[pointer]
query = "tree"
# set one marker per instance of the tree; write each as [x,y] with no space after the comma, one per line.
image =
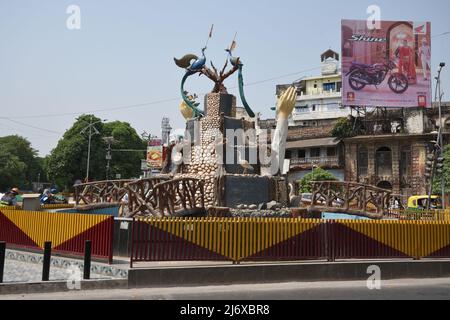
[127,164]
[445,172]
[343,129]
[12,170]
[19,164]
[68,161]
[317,174]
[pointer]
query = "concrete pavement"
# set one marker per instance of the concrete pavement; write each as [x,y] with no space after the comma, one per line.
[410,289]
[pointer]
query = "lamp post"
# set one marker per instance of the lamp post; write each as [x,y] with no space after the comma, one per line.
[439,95]
[92,131]
[109,141]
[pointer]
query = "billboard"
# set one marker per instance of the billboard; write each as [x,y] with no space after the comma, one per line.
[386,67]
[155,153]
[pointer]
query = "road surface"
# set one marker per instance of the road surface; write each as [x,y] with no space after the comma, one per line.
[391,290]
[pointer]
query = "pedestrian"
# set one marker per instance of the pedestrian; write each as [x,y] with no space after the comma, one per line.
[9,198]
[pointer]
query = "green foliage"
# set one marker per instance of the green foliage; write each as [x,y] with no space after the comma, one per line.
[317,174]
[446,173]
[68,161]
[128,164]
[19,164]
[343,129]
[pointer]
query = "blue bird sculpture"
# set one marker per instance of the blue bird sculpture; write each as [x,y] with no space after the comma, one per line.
[237,63]
[198,64]
[194,68]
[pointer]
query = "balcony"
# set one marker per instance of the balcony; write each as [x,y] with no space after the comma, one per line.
[319,94]
[308,163]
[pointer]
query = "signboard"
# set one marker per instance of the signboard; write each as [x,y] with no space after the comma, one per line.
[144,165]
[386,67]
[155,153]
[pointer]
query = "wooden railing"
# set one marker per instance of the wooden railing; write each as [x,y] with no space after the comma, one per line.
[141,200]
[349,197]
[180,197]
[111,191]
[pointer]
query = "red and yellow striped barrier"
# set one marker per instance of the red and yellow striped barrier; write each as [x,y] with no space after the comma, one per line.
[259,239]
[67,232]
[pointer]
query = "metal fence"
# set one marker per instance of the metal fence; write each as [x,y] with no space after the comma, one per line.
[67,232]
[238,240]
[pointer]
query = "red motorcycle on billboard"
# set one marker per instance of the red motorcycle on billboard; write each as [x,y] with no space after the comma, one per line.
[361,75]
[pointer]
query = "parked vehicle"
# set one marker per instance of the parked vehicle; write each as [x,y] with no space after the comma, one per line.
[421,202]
[362,75]
[306,199]
[49,198]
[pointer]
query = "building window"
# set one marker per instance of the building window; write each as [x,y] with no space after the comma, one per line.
[329,86]
[313,107]
[385,185]
[405,161]
[363,161]
[301,154]
[314,153]
[383,162]
[331,152]
[288,154]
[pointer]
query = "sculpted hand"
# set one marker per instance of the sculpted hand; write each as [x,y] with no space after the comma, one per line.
[286,103]
[186,111]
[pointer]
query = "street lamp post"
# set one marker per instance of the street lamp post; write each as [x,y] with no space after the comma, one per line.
[92,131]
[109,141]
[439,96]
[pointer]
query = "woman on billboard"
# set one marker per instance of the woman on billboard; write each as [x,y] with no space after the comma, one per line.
[406,64]
[425,57]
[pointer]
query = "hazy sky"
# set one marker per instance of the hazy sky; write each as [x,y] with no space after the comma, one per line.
[123,54]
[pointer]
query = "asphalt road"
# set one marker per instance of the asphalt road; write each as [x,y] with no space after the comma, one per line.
[424,289]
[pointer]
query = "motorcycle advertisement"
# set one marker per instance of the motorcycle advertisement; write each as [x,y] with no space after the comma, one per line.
[386,67]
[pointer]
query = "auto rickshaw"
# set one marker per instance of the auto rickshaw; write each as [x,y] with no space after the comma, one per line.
[421,202]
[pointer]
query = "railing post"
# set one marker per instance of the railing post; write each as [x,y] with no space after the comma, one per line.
[330,237]
[87,260]
[46,262]
[2,259]
[76,195]
[132,243]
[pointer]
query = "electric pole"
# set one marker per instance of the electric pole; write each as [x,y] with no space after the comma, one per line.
[92,131]
[109,141]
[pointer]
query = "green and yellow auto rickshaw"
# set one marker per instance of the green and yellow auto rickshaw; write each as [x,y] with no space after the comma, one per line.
[421,203]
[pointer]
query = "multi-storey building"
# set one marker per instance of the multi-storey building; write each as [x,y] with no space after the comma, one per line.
[318,108]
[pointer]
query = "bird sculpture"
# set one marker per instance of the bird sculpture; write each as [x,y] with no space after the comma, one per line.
[237,63]
[191,69]
[186,61]
[244,163]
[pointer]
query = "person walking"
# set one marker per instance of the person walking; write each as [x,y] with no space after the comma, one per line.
[9,198]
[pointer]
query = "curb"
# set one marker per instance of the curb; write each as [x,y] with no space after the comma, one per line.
[288,272]
[60,286]
[63,262]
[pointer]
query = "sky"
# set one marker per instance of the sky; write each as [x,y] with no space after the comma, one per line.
[120,63]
